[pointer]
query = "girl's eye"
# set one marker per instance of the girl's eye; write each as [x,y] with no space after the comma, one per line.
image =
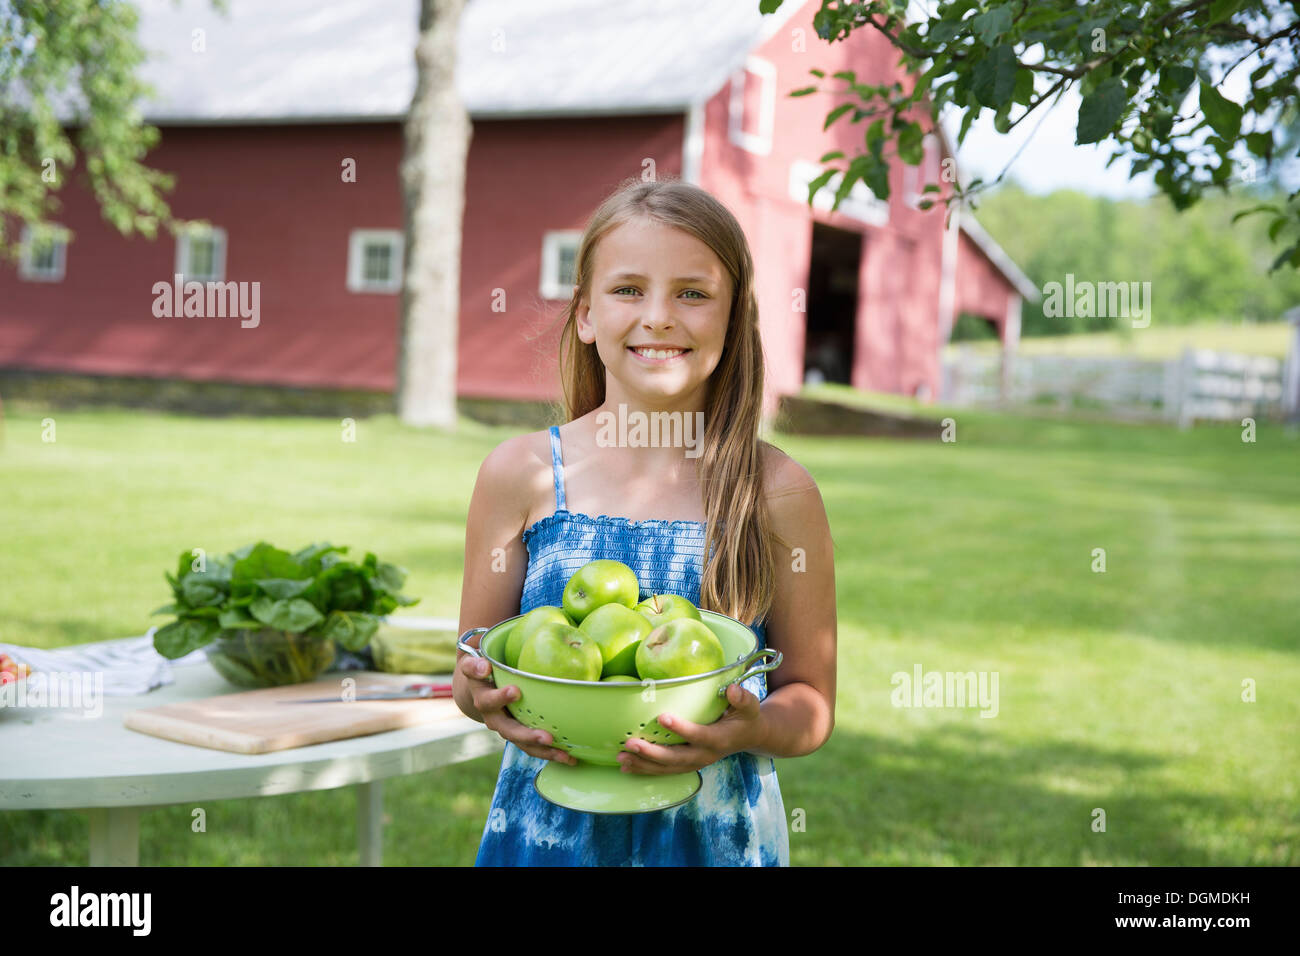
[628,288]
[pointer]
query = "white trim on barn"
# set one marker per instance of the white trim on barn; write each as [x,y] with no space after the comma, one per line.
[759,142]
[358,241]
[948,279]
[693,144]
[184,253]
[552,284]
[30,269]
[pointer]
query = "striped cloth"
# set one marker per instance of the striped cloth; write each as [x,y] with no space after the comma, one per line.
[130,665]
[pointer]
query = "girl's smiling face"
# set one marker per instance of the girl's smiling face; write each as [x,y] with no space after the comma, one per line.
[658,309]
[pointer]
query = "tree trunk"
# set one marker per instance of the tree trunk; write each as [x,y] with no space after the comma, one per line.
[437,134]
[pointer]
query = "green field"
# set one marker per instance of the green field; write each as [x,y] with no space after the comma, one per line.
[1118,690]
[1166,342]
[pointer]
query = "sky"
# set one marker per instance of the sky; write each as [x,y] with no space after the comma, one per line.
[1048,159]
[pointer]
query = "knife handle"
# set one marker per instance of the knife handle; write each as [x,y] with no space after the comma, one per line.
[433,689]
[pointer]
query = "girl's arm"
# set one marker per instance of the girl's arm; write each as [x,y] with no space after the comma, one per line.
[798,714]
[496,562]
[495,557]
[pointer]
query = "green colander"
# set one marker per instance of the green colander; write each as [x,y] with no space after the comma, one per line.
[592,720]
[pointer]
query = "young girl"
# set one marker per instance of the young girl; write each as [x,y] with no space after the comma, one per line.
[663,319]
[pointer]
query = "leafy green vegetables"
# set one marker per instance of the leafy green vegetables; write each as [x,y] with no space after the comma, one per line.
[316,592]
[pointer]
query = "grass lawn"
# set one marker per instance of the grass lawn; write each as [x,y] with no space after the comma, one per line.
[1155,343]
[1118,690]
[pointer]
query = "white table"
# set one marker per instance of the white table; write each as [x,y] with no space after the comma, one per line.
[60,758]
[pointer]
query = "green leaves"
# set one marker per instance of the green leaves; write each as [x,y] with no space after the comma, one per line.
[203,588]
[350,629]
[992,24]
[815,185]
[1223,115]
[876,176]
[835,114]
[941,32]
[296,615]
[875,137]
[910,149]
[184,636]
[1261,144]
[1175,79]
[265,561]
[82,55]
[1100,111]
[315,591]
[994,77]
[1134,75]
[237,617]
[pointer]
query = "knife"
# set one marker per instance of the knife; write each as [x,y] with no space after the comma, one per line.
[410,692]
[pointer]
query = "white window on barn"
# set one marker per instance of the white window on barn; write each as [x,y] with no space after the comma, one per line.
[44,253]
[559,263]
[201,254]
[753,105]
[375,260]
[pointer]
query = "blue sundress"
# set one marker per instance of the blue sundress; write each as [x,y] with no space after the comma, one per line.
[736,819]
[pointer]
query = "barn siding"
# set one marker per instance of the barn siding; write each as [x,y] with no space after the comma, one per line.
[981,288]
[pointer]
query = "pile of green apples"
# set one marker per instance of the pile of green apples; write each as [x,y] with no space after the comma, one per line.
[603,632]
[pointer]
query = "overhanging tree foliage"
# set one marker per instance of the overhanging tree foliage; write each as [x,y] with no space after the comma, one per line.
[69,90]
[1150,77]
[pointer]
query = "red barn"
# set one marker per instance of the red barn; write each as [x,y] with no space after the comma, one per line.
[282,125]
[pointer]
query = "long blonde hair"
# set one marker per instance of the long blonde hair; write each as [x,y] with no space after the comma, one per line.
[740,570]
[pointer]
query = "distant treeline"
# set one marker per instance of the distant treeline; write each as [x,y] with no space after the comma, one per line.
[1201,266]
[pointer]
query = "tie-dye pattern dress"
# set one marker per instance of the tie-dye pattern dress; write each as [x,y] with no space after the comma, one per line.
[736,819]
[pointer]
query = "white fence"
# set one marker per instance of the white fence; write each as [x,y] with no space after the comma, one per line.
[1202,384]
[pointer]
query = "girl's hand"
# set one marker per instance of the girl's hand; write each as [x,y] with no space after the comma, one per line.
[491,703]
[737,730]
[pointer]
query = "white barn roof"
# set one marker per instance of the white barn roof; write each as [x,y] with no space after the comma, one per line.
[303,60]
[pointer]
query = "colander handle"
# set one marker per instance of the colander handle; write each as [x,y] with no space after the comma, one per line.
[463,644]
[755,668]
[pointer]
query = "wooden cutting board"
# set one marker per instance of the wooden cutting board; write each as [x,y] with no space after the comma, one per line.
[257,721]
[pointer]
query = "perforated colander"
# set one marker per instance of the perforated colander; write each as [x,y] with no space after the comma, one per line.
[592,720]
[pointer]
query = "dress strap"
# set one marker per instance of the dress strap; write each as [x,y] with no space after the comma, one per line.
[557,467]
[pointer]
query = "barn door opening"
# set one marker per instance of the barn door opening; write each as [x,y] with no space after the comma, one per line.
[832,304]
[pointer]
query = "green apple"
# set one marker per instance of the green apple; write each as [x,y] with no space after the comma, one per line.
[597,583]
[662,608]
[678,649]
[561,650]
[619,679]
[618,630]
[527,626]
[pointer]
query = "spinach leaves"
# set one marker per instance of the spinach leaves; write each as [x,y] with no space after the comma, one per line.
[316,591]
